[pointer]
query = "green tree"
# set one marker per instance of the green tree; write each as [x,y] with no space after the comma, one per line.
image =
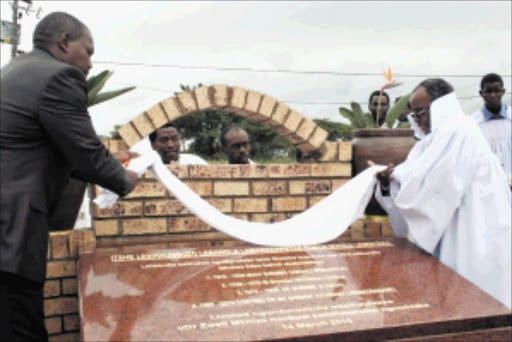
[201,133]
[114,134]
[201,130]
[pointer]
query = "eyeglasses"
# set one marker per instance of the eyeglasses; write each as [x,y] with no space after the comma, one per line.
[419,114]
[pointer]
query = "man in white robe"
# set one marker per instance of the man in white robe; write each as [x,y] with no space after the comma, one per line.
[494,119]
[450,196]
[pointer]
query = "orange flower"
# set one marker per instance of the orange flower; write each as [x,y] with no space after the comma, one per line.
[388,74]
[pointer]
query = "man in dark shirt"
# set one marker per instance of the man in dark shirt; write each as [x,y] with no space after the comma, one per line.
[235,143]
[378,112]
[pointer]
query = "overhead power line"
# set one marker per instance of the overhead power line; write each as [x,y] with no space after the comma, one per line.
[288,101]
[363,103]
[287,71]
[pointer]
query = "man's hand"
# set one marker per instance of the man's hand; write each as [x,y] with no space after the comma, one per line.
[384,177]
[124,156]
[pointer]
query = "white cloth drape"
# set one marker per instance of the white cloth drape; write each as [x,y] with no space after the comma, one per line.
[323,222]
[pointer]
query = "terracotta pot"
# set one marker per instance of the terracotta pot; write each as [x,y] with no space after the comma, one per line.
[64,216]
[382,146]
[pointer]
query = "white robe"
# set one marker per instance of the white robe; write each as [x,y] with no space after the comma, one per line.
[498,134]
[450,197]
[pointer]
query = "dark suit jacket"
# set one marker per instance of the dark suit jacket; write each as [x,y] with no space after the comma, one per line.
[45,132]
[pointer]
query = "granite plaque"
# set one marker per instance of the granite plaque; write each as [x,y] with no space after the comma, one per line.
[344,290]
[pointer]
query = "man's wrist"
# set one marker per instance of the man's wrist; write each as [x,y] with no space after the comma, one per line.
[129,183]
[384,189]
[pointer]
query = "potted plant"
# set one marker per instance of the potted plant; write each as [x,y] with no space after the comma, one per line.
[380,145]
[66,211]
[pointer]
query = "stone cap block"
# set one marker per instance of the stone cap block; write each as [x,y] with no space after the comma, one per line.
[202,97]
[143,124]
[188,102]
[220,95]
[171,108]
[157,115]
[129,134]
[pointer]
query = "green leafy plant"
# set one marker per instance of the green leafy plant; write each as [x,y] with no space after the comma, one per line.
[356,116]
[397,109]
[335,130]
[359,119]
[96,83]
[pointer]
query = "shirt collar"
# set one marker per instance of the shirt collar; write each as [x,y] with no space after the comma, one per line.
[490,116]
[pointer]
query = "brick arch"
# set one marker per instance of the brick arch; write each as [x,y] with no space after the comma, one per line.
[299,130]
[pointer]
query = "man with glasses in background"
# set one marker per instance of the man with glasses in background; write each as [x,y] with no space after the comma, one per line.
[450,196]
[494,120]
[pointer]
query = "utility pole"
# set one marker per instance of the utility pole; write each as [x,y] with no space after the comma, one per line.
[16,16]
[14,46]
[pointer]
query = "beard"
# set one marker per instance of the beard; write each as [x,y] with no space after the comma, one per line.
[241,159]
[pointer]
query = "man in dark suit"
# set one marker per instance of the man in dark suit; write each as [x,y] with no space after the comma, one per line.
[46,135]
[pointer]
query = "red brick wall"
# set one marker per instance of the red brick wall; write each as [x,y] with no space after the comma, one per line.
[61,286]
[252,192]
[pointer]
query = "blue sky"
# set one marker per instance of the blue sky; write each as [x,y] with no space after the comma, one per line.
[420,38]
